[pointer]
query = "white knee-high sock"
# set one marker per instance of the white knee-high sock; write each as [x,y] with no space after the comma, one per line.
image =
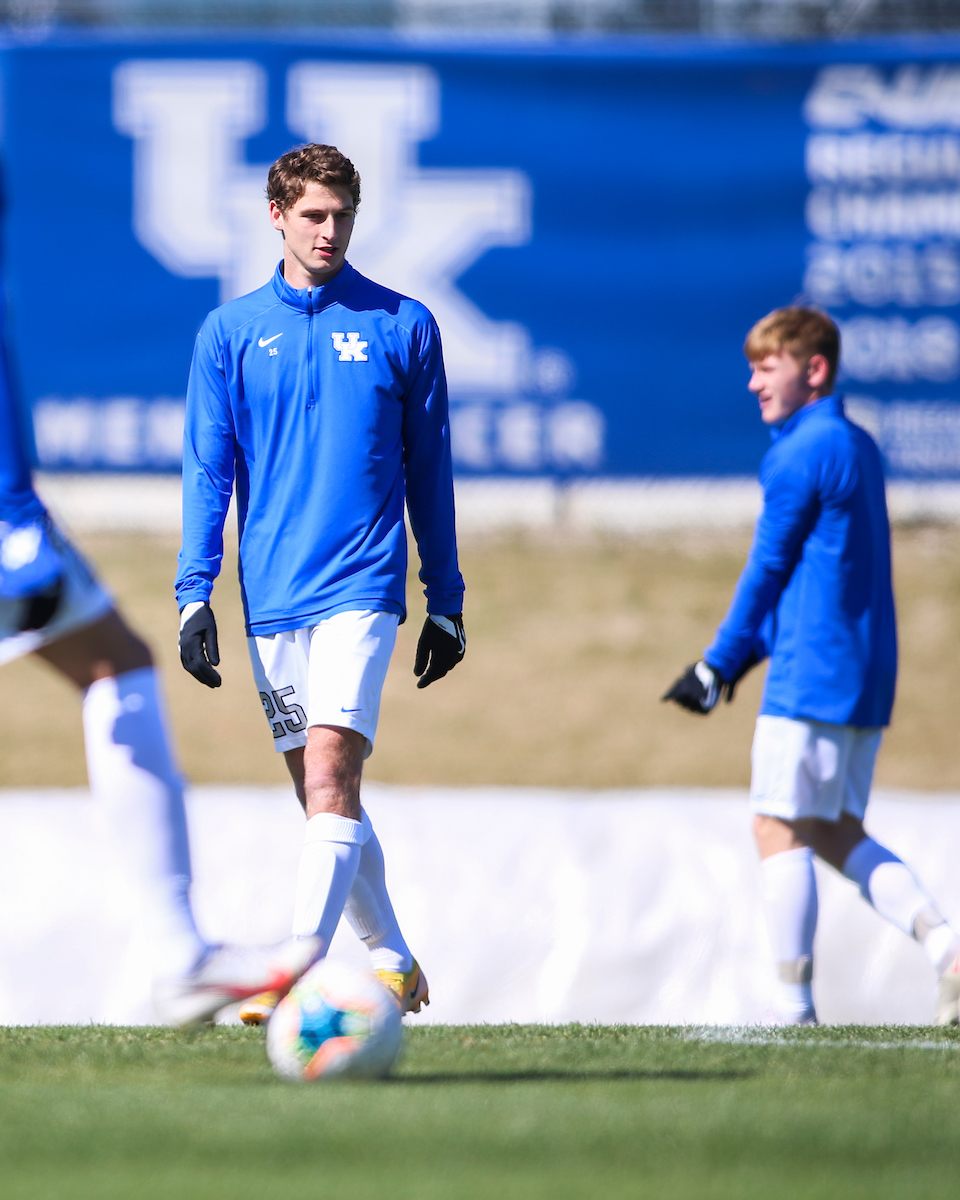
[790,900]
[888,884]
[370,912]
[138,787]
[328,867]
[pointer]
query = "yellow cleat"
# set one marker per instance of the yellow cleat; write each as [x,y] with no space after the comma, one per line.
[409,987]
[259,1009]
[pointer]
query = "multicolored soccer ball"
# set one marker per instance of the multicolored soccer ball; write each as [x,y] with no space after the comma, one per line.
[335,1023]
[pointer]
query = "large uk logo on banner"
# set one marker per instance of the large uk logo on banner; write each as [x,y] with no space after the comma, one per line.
[593,228]
[199,209]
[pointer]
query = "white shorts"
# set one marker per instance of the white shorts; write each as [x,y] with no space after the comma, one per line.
[330,673]
[84,600]
[811,769]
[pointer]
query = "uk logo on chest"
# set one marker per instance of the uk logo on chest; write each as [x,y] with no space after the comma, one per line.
[350,347]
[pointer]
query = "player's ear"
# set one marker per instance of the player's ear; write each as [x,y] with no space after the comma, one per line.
[818,371]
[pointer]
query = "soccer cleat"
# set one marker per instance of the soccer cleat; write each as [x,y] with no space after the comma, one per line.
[259,1009]
[409,987]
[948,994]
[225,974]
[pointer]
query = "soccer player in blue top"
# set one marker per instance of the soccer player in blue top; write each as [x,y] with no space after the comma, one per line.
[816,598]
[52,605]
[321,397]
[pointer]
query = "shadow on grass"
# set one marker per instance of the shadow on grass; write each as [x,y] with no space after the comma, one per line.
[572,1076]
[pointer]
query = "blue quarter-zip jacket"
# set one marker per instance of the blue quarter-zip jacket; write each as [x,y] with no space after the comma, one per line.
[816,593]
[328,406]
[19,503]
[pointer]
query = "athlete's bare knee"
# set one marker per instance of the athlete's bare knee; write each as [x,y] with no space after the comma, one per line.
[774,835]
[332,766]
[294,760]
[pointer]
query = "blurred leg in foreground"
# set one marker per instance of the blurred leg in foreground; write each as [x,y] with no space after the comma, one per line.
[52,605]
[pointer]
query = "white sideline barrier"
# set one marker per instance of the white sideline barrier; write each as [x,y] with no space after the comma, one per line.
[624,507]
[523,904]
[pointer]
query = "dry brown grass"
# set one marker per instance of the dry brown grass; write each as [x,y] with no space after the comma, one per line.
[570,647]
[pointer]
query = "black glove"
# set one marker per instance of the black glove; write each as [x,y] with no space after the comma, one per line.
[442,644]
[730,685]
[41,608]
[31,572]
[199,651]
[698,688]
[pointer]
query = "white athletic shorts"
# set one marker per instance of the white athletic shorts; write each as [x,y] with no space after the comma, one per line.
[330,673]
[811,769]
[84,600]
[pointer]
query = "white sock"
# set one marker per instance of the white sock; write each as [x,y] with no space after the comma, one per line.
[939,940]
[790,900]
[328,867]
[890,886]
[370,913]
[138,787]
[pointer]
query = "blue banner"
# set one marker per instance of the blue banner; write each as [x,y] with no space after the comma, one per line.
[595,227]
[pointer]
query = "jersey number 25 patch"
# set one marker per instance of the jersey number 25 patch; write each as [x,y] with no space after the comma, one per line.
[276,705]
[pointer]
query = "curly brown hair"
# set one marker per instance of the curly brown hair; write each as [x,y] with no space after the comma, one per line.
[798,331]
[313,163]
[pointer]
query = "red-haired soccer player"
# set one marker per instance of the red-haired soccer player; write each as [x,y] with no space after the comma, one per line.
[816,597]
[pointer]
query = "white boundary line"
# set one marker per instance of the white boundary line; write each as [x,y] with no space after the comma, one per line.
[734,1036]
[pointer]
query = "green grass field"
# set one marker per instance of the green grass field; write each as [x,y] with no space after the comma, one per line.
[485,1112]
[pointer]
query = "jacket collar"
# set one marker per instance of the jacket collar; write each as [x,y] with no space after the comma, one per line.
[312,300]
[832,405]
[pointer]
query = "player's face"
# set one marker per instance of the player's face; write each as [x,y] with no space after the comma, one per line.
[782,386]
[316,233]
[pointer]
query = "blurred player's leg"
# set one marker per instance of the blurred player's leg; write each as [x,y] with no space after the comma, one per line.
[134,777]
[51,604]
[790,902]
[888,884]
[138,788]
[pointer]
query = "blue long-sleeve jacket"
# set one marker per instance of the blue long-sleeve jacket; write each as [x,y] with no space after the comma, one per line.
[19,503]
[328,406]
[816,593]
